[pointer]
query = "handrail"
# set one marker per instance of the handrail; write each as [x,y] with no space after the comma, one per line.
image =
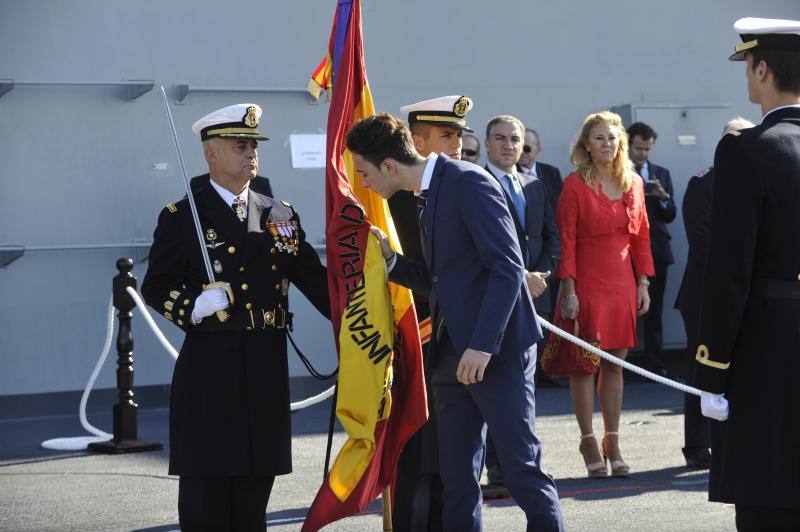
[11,252]
[182,90]
[134,88]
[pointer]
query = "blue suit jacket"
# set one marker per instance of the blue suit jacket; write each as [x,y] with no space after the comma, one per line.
[473,263]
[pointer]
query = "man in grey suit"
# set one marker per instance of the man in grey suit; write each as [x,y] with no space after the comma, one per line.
[534,221]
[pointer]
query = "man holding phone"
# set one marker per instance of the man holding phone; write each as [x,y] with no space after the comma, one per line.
[660,211]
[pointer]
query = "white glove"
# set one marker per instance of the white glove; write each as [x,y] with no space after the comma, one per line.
[714,405]
[208,303]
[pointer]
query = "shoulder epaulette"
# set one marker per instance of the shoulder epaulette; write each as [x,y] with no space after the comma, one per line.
[172,208]
[734,132]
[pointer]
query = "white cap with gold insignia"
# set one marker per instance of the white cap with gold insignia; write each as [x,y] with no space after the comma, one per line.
[447,111]
[235,121]
[766,34]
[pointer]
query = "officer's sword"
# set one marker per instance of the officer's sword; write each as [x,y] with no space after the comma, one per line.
[222,315]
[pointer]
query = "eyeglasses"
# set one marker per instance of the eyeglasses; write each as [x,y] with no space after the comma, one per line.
[469,153]
[526,148]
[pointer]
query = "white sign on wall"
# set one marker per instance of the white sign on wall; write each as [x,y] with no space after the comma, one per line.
[308,150]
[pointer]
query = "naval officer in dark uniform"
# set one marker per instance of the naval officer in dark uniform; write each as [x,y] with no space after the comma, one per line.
[230,430]
[748,357]
[435,128]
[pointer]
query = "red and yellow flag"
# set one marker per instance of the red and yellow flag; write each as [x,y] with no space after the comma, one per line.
[381,401]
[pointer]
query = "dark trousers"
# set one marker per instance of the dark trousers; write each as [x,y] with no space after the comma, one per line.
[765,519]
[233,504]
[504,400]
[696,427]
[417,501]
[653,336]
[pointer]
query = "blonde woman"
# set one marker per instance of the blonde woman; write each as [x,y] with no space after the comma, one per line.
[605,262]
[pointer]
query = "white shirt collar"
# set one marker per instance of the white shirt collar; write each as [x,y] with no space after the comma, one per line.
[499,173]
[228,196]
[779,108]
[427,174]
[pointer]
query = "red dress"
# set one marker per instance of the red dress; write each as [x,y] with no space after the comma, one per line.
[604,243]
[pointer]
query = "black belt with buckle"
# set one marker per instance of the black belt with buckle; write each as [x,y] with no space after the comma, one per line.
[258,319]
[776,289]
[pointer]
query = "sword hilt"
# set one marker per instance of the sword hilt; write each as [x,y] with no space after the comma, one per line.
[222,315]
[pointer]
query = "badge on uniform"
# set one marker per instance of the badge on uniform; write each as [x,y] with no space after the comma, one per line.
[285,234]
[211,236]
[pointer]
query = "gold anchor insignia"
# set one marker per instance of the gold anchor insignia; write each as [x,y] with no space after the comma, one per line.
[250,118]
[462,107]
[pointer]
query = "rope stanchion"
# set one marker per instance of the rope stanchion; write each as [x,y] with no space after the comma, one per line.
[618,361]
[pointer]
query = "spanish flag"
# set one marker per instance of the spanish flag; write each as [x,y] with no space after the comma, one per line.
[381,401]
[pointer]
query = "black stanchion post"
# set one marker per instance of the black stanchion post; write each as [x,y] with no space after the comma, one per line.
[126,429]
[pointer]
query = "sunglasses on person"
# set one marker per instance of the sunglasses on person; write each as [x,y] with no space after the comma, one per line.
[469,153]
[527,149]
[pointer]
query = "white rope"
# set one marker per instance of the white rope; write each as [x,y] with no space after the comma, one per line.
[80,443]
[142,308]
[618,361]
[299,405]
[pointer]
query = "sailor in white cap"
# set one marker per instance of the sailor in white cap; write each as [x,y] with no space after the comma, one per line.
[436,126]
[748,357]
[230,431]
[232,122]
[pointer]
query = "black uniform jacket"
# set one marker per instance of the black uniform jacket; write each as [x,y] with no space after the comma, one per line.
[660,215]
[229,412]
[749,332]
[696,211]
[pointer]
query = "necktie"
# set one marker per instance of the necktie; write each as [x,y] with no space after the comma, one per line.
[638,169]
[238,208]
[438,319]
[515,192]
[422,202]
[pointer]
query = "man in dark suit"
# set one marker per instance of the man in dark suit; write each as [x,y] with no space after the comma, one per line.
[230,429]
[696,210]
[484,323]
[661,210]
[547,173]
[418,490]
[537,233]
[258,184]
[748,357]
[551,177]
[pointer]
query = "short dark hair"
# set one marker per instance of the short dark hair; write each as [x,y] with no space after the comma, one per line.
[535,134]
[381,136]
[784,65]
[641,130]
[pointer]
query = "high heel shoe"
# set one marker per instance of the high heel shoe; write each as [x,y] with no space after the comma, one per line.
[588,449]
[618,467]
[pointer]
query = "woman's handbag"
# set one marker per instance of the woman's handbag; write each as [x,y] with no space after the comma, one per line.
[562,358]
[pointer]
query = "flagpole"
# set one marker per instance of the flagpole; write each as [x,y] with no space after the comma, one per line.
[386,503]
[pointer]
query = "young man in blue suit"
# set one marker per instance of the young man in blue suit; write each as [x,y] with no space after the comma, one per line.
[484,325]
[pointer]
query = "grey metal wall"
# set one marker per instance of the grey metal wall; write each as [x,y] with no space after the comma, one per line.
[77,162]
